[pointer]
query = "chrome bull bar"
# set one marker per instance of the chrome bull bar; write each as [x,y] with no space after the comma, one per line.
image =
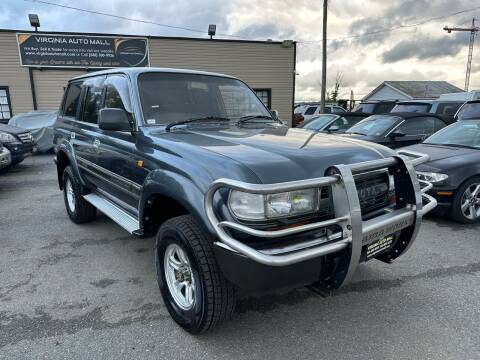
[347,212]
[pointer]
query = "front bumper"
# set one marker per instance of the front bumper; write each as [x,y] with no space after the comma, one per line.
[355,235]
[20,151]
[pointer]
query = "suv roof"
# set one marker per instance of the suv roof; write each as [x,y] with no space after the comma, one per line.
[376,101]
[139,70]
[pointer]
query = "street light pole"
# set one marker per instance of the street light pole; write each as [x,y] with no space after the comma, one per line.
[324,57]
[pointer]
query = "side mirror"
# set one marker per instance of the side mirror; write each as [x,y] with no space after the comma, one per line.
[396,134]
[114,120]
[274,113]
[333,128]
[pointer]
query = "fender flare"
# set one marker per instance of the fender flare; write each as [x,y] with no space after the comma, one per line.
[68,150]
[179,188]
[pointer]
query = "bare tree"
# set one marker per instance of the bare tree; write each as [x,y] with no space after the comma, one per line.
[333,94]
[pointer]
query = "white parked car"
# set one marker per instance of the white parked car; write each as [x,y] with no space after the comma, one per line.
[309,111]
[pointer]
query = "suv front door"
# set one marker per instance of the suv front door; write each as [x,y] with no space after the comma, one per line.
[119,158]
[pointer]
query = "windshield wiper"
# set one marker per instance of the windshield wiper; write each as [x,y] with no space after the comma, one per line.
[203,118]
[247,118]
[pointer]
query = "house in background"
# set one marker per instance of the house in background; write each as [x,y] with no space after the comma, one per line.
[410,90]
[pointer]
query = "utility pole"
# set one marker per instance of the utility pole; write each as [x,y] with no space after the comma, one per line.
[324,57]
[473,31]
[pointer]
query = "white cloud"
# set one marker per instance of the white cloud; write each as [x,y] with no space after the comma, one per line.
[408,54]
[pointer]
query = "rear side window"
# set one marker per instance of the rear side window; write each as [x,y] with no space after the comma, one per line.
[384,107]
[72,99]
[421,126]
[311,110]
[93,100]
[469,111]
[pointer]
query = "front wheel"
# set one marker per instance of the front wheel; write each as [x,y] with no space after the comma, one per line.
[466,203]
[194,290]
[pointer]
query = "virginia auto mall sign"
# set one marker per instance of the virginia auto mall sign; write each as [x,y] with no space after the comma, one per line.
[81,51]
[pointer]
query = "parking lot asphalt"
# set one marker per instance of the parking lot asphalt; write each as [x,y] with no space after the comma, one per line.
[88,292]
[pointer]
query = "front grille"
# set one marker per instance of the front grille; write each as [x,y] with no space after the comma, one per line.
[25,138]
[373,191]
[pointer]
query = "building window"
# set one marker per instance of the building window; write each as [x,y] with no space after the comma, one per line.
[265,95]
[5,105]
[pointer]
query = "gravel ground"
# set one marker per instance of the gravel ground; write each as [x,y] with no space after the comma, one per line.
[88,292]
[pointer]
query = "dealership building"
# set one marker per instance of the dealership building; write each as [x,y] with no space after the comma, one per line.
[35,66]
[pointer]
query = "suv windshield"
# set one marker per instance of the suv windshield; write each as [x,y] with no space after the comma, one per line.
[176,97]
[464,133]
[317,123]
[375,125]
[469,111]
[420,107]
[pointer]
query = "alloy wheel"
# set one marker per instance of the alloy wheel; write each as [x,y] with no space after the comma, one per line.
[179,276]
[470,202]
[70,195]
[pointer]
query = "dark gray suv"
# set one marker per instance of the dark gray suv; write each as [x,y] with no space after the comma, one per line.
[238,202]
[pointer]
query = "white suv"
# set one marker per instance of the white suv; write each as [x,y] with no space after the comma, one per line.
[310,111]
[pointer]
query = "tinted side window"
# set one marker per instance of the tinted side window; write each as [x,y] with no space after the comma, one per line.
[344,123]
[93,100]
[438,124]
[384,107]
[447,108]
[72,99]
[418,126]
[311,110]
[117,93]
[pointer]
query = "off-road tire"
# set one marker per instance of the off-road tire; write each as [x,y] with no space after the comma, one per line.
[215,297]
[83,211]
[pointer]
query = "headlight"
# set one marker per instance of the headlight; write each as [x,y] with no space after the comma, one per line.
[7,138]
[259,207]
[431,176]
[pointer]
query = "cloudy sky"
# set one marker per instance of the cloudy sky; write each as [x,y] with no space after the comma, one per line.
[417,50]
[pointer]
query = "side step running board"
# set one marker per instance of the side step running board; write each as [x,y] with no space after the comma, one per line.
[120,216]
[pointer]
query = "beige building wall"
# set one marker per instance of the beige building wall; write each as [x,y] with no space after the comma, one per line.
[260,65]
[13,75]
[49,86]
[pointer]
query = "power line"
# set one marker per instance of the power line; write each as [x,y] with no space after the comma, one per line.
[125,18]
[420,23]
[345,37]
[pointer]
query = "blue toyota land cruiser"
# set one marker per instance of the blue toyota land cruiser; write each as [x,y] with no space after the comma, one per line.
[238,201]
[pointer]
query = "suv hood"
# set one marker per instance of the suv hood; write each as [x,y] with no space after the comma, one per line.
[12,129]
[440,152]
[445,157]
[280,154]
